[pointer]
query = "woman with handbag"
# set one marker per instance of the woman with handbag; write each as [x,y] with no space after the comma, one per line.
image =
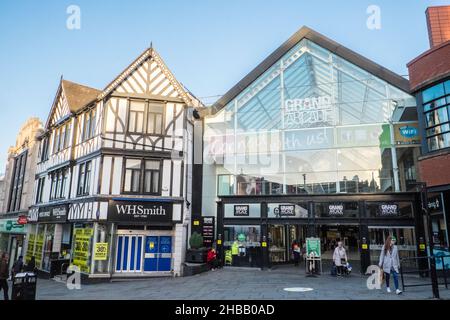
[340,258]
[390,263]
[296,252]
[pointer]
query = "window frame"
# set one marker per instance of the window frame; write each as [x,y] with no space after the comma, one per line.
[142,171]
[58,184]
[17,182]
[146,115]
[84,177]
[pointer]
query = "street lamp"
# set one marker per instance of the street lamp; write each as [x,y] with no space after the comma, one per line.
[424,200]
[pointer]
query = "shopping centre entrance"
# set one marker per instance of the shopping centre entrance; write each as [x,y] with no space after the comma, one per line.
[262,229]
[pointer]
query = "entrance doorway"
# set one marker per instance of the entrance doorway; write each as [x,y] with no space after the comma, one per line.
[330,235]
[281,238]
[129,253]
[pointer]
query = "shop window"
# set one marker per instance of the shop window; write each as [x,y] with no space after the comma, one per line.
[82,246]
[103,240]
[142,176]
[336,210]
[48,246]
[84,178]
[242,246]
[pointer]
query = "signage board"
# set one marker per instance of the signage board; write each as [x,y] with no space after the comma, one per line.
[140,211]
[11,226]
[81,256]
[53,213]
[407,134]
[208,228]
[313,246]
[101,251]
[388,210]
[285,210]
[309,112]
[335,209]
[241,210]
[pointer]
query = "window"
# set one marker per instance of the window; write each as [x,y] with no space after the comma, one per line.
[17,182]
[89,125]
[40,190]
[43,149]
[136,117]
[61,138]
[58,186]
[142,176]
[151,177]
[155,118]
[84,178]
[437,116]
[145,118]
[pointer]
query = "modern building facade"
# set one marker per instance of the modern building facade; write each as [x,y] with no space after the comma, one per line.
[17,189]
[315,141]
[430,83]
[113,181]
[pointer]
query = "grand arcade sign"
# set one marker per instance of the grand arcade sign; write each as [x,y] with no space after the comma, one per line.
[309,111]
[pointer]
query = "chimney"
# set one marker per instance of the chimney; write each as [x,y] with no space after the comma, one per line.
[438,22]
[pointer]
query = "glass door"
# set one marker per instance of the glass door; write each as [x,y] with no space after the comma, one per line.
[277,244]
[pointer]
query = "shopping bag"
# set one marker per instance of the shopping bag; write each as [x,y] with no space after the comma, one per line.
[380,276]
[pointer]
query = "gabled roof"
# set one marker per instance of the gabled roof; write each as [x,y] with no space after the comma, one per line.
[187,97]
[76,95]
[334,47]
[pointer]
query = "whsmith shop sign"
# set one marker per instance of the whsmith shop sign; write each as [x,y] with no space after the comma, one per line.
[53,214]
[140,211]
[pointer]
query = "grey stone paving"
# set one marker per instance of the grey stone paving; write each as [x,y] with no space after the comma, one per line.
[226,284]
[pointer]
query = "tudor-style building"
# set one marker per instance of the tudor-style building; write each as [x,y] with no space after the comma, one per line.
[113,188]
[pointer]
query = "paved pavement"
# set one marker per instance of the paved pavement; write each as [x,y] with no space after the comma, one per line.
[235,284]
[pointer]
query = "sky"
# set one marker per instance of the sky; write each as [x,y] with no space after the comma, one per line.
[209,45]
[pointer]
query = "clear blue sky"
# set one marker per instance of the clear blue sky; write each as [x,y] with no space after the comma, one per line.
[208,44]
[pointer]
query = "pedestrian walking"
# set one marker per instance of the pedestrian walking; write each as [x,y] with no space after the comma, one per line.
[340,258]
[296,251]
[31,266]
[390,263]
[4,262]
[211,259]
[17,267]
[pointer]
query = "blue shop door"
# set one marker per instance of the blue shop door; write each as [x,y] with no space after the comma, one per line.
[129,254]
[151,253]
[165,253]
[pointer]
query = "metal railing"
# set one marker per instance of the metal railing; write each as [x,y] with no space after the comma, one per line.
[427,272]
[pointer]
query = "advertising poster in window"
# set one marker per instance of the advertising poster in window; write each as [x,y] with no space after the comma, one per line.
[38,249]
[30,250]
[82,244]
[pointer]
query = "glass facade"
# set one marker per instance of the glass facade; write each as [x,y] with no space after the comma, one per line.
[436,103]
[313,123]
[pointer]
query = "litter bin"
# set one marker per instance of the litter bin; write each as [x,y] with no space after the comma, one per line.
[24,286]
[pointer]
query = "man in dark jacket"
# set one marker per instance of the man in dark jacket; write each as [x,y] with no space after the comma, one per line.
[17,267]
[4,262]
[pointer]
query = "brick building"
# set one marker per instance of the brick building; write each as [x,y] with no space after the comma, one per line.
[430,82]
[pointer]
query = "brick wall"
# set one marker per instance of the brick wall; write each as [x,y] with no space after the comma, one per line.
[438,22]
[435,169]
[430,66]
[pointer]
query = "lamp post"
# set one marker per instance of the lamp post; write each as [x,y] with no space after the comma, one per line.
[424,200]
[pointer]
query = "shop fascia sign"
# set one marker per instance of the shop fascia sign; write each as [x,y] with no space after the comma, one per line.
[135,210]
[284,210]
[53,214]
[388,209]
[308,111]
[241,210]
[336,209]
[11,226]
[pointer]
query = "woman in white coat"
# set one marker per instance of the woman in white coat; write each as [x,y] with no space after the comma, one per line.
[390,262]
[340,258]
